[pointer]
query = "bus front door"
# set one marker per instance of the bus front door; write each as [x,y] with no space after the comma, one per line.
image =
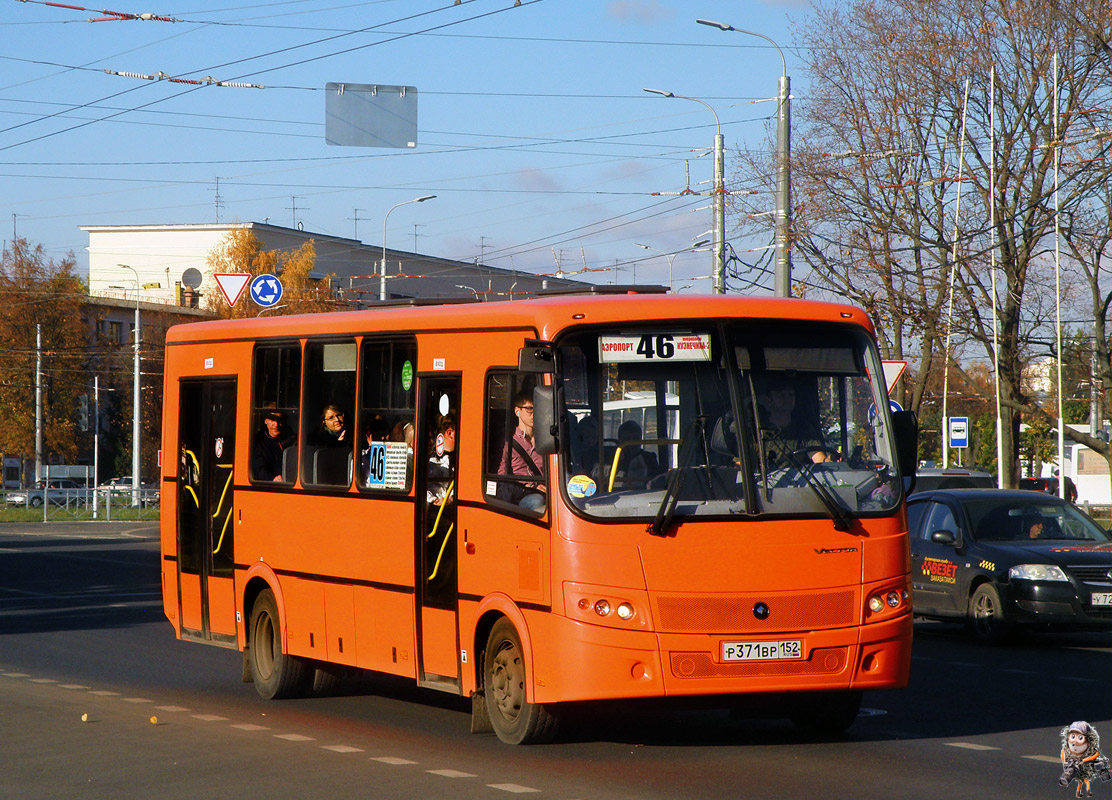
[436,535]
[206,456]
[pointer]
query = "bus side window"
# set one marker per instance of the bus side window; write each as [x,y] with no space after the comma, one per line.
[387,403]
[327,438]
[275,413]
[513,472]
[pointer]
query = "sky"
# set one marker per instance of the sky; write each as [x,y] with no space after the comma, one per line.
[534,131]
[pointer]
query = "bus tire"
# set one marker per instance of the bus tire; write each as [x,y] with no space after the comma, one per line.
[276,674]
[986,616]
[827,712]
[514,719]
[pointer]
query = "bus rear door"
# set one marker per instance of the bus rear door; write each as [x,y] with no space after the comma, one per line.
[206,476]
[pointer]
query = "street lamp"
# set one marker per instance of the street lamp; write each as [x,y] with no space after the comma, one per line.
[783,166]
[382,276]
[719,194]
[672,256]
[135,406]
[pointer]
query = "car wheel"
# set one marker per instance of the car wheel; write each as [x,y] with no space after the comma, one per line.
[514,719]
[986,616]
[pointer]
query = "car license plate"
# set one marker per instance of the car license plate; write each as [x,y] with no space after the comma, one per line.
[1102,598]
[762,651]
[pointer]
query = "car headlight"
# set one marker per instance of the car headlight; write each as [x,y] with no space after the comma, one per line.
[1037,572]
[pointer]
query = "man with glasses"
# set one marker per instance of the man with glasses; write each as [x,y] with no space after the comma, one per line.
[520,457]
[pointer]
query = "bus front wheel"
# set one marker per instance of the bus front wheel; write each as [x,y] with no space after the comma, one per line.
[276,674]
[514,719]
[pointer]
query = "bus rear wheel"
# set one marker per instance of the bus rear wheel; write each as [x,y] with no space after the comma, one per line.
[276,674]
[514,719]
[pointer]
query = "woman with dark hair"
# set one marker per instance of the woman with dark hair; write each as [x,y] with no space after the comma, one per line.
[332,431]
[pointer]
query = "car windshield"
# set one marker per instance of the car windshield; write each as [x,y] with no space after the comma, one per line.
[732,419]
[1030,519]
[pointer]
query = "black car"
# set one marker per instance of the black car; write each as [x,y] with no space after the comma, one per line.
[929,478]
[1003,559]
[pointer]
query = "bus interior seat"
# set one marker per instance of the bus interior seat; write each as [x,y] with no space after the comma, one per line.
[331,466]
[289,464]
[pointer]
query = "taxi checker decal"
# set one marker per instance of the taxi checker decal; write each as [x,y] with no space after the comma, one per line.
[989,565]
[939,570]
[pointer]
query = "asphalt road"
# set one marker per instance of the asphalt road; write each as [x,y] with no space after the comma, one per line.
[97,699]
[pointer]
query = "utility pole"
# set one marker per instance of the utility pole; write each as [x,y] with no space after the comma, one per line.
[38,402]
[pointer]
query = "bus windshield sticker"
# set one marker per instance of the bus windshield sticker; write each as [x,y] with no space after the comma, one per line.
[581,486]
[387,467]
[654,347]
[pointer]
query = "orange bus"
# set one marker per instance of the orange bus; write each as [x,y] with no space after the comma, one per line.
[608,495]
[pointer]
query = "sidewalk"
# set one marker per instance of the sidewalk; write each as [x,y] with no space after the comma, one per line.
[132,529]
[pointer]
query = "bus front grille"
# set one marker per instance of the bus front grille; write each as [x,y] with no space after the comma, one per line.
[823,661]
[735,614]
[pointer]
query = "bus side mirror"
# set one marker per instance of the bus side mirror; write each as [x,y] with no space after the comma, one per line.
[536,357]
[905,425]
[546,427]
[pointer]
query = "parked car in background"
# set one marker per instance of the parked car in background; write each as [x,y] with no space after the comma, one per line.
[59,491]
[930,478]
[1005,559]
[121,488]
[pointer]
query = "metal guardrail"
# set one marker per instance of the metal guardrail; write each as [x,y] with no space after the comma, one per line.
[78,504]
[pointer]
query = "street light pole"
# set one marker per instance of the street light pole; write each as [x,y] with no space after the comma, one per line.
[719,193]
[672,256]
[136,408]
[382,275]
[783,166]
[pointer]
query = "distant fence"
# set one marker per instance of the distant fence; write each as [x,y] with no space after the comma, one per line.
[60,505]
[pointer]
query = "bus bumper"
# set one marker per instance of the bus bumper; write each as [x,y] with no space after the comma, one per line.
[602,663]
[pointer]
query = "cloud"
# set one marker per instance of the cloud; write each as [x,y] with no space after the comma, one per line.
[535,180]
[640,11]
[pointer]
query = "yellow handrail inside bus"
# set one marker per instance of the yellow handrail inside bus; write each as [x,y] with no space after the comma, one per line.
[440,555]
[228,518]
[196,500]
[444,502]
[614,468]
[223,530]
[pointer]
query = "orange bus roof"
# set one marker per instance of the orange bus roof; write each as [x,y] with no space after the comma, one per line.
[548,315]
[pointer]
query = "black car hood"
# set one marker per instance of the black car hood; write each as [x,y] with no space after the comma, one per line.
[1058,552]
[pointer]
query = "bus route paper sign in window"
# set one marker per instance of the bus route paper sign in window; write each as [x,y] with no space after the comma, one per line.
[386,467]
[654,347]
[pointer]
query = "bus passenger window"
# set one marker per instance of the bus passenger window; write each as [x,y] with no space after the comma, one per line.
[386,413]
[329,391]
[275,413]
[514,470]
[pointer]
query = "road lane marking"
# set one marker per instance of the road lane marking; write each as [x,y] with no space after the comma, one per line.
[16,675]
[137,700]
[72,686]
[43,680]
[342,748]
[512,787]
[248,726]
[450,773]
[171,709]
[105,693]
[970,746]
[393,760]
[210,718]
[1048,759]
[294,737]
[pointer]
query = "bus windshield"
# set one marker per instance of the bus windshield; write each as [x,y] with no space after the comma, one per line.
[726,419]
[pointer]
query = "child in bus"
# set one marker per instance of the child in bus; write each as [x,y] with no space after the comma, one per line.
[442,468]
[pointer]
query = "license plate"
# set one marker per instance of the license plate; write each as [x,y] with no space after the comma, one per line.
[762,651]
[1102,598]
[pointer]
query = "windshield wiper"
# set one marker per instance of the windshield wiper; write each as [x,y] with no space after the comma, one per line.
[667,508]
[842,520]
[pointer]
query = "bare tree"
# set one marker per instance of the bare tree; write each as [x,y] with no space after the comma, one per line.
[903,128]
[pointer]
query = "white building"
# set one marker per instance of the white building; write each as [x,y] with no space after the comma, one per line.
[161,255]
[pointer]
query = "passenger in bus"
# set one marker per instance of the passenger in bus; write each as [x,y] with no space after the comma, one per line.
[332,431]
[787,435]
[442,461]
[636,465]
[520,457]
[270,442]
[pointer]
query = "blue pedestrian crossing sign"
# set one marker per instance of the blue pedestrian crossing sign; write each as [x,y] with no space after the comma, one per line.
[266,290]
[959,432]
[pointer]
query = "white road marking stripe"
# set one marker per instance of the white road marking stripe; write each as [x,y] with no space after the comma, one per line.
[341,748]
[43,680]
[393,760]
[970,746]
[210,718]
[137,700]
[1048,759]
[451,773]
[172,709]
[247,726]
[72,686]
[293,737]
[16,675]
[105,693]
[512,787]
